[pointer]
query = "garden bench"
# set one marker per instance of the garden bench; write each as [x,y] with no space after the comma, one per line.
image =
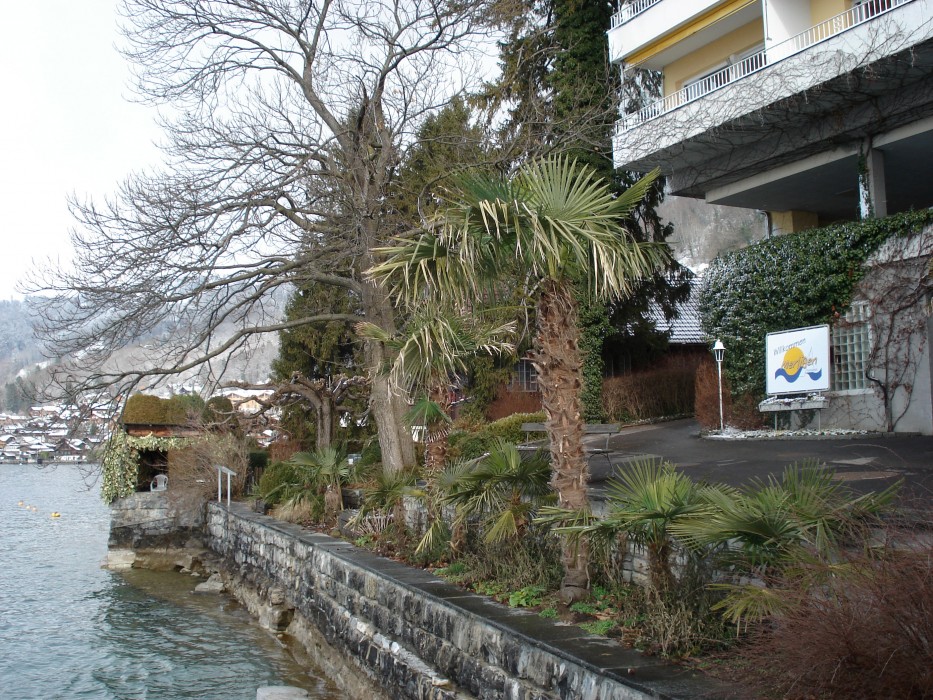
[607,429]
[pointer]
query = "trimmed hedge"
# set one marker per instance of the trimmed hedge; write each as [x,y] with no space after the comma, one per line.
[145,409]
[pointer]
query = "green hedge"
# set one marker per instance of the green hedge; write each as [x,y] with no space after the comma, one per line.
[219,409]
[790,281]
[472,444]
[274,477]
[151,410]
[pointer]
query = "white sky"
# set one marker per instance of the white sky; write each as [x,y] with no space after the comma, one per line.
[66,125]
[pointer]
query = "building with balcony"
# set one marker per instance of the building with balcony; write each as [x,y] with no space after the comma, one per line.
[813,111]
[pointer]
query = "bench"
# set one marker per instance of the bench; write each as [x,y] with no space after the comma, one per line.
[607,429]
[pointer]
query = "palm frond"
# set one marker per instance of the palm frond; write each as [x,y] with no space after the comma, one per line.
[744,604]
[435,537]
[553,220]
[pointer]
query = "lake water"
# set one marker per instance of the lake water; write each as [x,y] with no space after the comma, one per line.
[70,629]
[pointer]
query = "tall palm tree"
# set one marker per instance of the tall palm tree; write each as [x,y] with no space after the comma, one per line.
[556,226]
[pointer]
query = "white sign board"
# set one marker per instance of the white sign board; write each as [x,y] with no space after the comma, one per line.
[797,361]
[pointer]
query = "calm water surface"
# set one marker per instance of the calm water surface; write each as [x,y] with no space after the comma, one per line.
[69,629]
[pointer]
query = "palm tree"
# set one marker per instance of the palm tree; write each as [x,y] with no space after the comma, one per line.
[557,227]
[778,525]
[435,343]
[503,488]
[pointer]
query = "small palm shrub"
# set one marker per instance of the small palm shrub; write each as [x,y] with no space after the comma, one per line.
[309,487]
[502,491]
[771,527]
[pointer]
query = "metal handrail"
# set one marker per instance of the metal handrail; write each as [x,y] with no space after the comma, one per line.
[631,9]
[220,471]
[785,49]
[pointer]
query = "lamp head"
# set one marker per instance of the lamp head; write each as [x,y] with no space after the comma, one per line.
[719,350]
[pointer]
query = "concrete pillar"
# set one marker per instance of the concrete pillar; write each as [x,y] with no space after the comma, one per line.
[873,197]
[782,222]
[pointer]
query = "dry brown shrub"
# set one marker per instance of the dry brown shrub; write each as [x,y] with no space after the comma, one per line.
[744,413]
[706,405]
[509,402]
[192,471]
[665,390]
[282,450]
[864,633]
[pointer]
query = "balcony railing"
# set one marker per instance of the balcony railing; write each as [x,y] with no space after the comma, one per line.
[631,9]
[751,64]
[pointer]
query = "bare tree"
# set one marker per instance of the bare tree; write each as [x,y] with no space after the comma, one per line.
[286,122]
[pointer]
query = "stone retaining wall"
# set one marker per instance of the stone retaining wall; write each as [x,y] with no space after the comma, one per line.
[416,636]
[153,519]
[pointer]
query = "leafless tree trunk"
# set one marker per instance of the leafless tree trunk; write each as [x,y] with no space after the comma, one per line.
[285,122]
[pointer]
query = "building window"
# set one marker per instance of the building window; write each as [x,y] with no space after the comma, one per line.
[524,378]
[851,349]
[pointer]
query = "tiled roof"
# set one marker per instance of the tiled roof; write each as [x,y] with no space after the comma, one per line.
[684,328]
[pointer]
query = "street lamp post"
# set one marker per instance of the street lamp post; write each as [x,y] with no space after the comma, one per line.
[719,350]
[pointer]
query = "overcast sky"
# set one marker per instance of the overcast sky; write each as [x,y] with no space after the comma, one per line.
[66,125]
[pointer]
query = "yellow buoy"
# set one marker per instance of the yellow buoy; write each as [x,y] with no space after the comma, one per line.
[56,514]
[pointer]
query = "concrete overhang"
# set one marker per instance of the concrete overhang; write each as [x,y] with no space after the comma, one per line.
[631,39]
[827,183]
[821,103]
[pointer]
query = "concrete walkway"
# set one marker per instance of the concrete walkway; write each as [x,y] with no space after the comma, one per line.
[865,463]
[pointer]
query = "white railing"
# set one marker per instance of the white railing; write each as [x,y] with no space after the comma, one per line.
[821,32]
[694,91]
[630,9]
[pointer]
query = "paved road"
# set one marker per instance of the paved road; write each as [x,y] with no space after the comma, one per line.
[865,463]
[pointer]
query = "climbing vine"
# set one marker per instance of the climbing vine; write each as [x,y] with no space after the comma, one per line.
[594,328]
[120,461]
[791,281]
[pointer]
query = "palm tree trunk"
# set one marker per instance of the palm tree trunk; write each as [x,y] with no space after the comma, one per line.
[435,441]
[557,361]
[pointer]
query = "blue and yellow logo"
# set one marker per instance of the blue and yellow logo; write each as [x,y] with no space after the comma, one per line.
[795,362]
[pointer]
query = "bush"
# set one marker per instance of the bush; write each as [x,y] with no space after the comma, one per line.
[474,440]
[191,404]
[145,409]
[218,411]
[864,633]
[258,459]
[274,477]
[667,390]
[509,429]
[192,472]
[282,450]
[744,413]
[706,403]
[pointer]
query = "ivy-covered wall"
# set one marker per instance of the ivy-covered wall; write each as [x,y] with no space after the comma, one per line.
[120,461]
[790,281]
